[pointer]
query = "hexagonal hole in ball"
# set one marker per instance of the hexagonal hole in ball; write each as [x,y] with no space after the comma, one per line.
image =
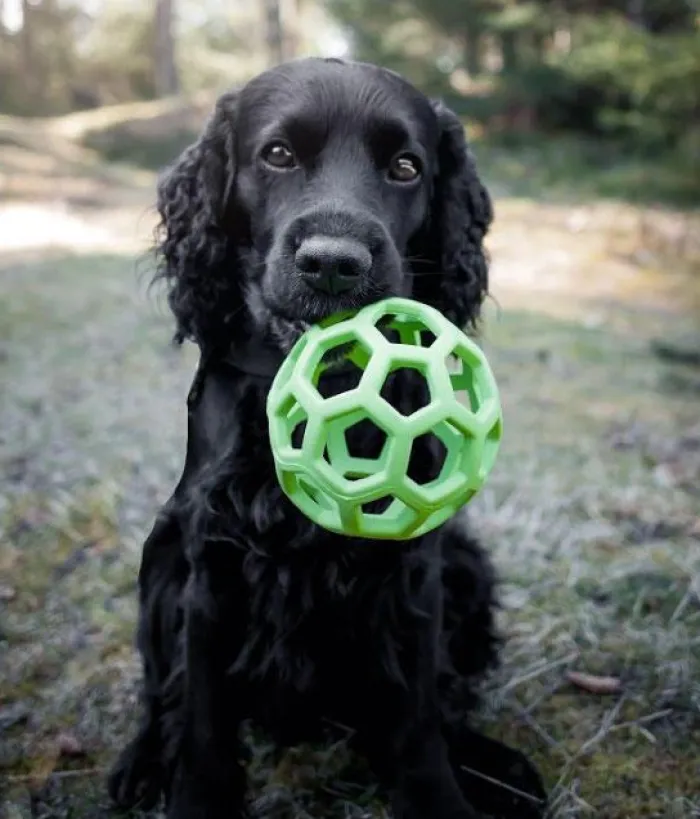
[427,338]
[463,382]
[399,329]
[377,506]
[364,440]
[389,328]
[491,446]
[316,496]
[297,437]
[341,368]
[427,459]
[406,389]
[295,420]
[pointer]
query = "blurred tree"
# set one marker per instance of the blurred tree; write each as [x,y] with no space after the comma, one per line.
[78,54]
[392,34]
[38,63]
[119,68]
[26,41]
[274,33]
[625,69]
[292,10]
[166,79]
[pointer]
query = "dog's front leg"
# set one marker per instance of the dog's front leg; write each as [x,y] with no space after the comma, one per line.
[417,769]
[208,780]
[401,728]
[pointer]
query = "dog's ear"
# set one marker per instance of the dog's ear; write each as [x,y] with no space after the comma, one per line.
[453,273]
[196,252]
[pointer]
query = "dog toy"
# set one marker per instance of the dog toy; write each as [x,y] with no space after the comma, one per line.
[374,497]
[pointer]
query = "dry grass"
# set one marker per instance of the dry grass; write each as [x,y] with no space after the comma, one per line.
[592,515]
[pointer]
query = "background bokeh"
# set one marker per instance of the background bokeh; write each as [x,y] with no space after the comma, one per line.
[584,117]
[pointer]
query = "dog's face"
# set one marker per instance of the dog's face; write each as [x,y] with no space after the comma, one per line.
[334,175]
[321,186]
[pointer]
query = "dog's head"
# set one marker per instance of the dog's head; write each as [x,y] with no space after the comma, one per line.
[320,186]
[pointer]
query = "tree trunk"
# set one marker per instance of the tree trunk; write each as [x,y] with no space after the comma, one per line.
[274,35]
[472,57]
[539,45]
[291,14]
[31,68]
[166,78]
[635,12]
[509,51]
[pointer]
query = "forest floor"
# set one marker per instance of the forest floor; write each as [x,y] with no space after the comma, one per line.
[592,513]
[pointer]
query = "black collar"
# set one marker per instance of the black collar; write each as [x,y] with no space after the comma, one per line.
[256,357]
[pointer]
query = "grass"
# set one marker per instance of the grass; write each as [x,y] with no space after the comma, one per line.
[591,514]
[600,551]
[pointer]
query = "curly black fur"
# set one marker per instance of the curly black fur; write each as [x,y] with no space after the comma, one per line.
[247,609]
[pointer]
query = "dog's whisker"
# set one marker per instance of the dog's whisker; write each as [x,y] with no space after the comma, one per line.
[415,274]
[418,260]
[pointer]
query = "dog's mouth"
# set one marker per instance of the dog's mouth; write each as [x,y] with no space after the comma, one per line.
[286,332]
[285,329]
[286,312]
[288,327]
[314,308]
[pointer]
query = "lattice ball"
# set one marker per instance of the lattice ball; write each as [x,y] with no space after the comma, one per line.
[341,490]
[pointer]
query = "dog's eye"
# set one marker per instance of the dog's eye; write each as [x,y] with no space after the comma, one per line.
[278,155]
[404,168]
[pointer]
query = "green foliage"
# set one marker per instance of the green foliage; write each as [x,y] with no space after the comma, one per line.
[587,66]
[120,68]
[38,66]
[62,59]
[390,34]
[152,152]
[68,56]
[565,167]
[628,82]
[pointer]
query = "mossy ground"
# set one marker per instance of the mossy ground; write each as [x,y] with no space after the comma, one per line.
[592,515]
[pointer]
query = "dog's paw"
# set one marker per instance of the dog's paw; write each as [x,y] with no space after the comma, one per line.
[135,781]
[213,806]
[498,780]
[212,789]
[514,791]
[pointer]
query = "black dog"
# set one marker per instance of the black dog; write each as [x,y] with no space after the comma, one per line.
[321,186]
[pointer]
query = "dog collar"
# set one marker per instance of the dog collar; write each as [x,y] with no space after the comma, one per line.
[255,357]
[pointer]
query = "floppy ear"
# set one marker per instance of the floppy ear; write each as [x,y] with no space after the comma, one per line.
[455,276]
[196,254]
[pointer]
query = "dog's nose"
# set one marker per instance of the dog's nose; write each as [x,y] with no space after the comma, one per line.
[332,265]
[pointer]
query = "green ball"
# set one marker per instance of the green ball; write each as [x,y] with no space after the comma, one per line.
[332,486]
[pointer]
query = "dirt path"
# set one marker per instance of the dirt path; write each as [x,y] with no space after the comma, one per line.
[38,226]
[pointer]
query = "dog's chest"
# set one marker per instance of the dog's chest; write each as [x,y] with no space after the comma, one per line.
[316,618]
[295,609]
[316,605]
